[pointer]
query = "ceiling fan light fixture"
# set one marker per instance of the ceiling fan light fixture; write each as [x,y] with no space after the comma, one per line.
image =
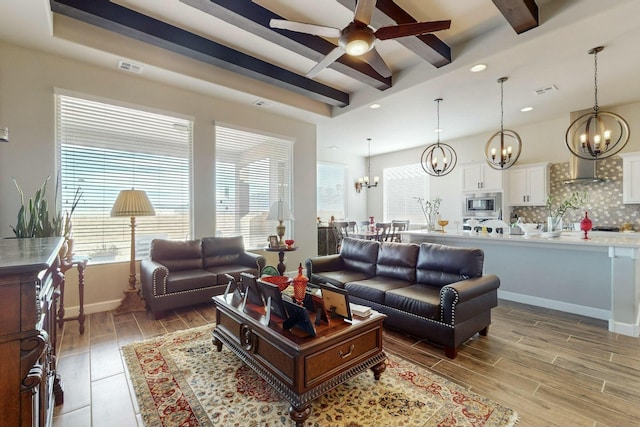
[357,40]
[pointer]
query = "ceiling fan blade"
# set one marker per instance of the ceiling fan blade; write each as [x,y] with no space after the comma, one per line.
[374,59]
[300,27]
[411,29]
[326,61]
[364,11]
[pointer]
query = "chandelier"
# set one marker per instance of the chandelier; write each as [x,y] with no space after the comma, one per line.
[364,182]
[504,147]
[438,159]
[598,134]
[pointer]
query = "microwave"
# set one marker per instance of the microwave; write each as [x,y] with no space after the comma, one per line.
[482,205]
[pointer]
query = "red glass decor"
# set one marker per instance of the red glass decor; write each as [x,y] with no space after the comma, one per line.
[282,282]
[299,285]
[585,225]
[289,243]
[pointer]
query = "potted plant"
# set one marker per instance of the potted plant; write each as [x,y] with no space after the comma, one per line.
[431,210]
[557,210]
[34,218]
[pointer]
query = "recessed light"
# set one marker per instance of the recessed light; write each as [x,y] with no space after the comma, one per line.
[526,109]
[438,130]
[334,147]
[375,106]
[477,68]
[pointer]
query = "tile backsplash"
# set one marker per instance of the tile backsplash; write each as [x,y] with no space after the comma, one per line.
[604,202]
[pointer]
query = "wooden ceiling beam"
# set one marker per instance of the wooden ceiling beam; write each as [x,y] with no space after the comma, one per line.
[428,46]
[249,16]
[522,15]
[113,17]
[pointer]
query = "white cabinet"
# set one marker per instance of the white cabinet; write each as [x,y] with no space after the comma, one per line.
[528,185]
[630,178]
[480,176]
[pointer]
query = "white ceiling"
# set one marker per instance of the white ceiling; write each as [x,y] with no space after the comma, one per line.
[554,53]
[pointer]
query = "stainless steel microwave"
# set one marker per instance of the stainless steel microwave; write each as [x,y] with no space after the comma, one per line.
[482,205]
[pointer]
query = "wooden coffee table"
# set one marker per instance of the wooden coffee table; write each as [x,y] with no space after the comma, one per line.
[301,368]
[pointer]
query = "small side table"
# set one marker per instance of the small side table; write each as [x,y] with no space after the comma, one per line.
[281,250]
[79,262]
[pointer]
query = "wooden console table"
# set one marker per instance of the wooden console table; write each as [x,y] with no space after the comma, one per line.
[29,281]
[301,368]
[79,262]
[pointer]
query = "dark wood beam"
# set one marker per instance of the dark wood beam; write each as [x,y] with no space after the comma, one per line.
[249,16]
[113,17]
[428,46]
[522,15]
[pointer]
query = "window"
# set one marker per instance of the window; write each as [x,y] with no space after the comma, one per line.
[402,185]
[106,148]
[330,193]
[252,172]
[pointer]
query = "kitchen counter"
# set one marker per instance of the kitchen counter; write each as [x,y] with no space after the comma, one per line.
[598,277]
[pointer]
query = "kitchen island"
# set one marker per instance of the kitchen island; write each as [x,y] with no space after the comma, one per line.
[598,278]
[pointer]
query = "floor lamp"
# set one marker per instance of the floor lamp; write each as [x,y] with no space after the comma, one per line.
[132,203]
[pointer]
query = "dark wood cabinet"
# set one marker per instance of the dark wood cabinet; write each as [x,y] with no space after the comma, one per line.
[29,281]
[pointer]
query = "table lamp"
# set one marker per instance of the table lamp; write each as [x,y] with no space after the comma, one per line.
[132,203]
[280,211]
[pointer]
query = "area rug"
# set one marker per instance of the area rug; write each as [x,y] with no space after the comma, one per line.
[181,380]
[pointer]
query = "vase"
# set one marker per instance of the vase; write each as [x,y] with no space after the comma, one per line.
[300,286]
[554,223]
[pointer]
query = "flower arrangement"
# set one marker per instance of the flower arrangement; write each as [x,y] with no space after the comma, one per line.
[430,209]
[557,210]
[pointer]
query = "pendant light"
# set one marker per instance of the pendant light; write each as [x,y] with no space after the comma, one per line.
[364,182]
[598,134]
[438,159]
[504,147]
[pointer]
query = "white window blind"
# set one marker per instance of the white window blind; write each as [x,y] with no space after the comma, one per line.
[402,185]
[106,148]
[252,172]
[331,180]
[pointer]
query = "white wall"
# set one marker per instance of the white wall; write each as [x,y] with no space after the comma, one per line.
[27,82]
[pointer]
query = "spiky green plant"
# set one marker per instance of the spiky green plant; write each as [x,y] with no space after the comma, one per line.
[34,218]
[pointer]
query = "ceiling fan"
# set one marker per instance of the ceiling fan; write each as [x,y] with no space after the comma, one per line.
[358,38]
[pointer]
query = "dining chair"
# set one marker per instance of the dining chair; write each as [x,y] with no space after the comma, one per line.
[396,227]
[363,226]
[351,227]
[340,231]
[383,231]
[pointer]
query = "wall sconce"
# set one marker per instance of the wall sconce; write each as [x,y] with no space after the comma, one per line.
[358,186]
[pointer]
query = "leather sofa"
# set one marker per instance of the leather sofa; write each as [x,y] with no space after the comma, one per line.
[183,273]
[431,291]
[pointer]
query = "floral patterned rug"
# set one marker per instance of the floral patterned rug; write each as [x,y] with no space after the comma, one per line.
[181,380]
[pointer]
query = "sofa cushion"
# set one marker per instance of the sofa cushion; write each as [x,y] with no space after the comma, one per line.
[177,255]
[339,278]
[186,280]
[360,255]
[232,269]
[397,260]
[421,300]
[373,289]
[440,265]
[221,250]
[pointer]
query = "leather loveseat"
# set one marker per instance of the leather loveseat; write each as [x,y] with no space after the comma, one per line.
[431,291]
[183,273]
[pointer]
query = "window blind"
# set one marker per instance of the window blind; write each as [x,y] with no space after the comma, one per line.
[331,200]
[402,186]
[252,172]
[106,148]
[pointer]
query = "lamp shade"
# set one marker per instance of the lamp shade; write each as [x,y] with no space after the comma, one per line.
[132,203]
[280,211]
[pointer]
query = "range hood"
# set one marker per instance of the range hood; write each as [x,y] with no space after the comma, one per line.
[582,171]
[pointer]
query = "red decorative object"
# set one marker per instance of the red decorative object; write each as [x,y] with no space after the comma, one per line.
[282,282]
[372,225]
[300,285]
[289,243]
[585,225]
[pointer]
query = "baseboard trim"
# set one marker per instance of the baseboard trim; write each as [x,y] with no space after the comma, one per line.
[92,308]
[631,329]
[582,310]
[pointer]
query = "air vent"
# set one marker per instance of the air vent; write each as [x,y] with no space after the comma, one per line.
[130,67]
[546,90]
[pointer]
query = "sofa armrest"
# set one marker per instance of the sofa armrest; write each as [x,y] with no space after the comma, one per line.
[464,299]
[153,277]
[252,260]
[324,263]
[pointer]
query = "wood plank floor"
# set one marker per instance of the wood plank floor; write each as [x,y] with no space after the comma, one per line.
[553,368]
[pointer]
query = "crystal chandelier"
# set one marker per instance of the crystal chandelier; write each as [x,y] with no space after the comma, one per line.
[504,147]
[438,159]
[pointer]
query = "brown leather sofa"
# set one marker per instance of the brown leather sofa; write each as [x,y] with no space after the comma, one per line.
[183,273]
[431,291]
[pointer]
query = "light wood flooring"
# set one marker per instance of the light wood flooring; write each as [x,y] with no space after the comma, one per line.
[553,368]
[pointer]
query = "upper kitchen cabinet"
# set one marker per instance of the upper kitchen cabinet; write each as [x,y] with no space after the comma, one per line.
[528,185]
[630,175]
[480,176]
